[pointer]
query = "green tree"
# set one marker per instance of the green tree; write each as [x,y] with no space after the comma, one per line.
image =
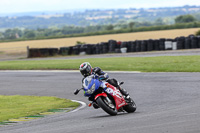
[29,34]
[109,27]
[9,34]
[159,21]
[1,35]
[197,16]
[80,43]
[185,19]
[131,24]
[198,33]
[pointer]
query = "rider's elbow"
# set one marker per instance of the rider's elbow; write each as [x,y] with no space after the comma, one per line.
[106,76]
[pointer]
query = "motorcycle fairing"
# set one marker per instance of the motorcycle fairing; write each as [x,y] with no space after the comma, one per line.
[88,82]
[116,94]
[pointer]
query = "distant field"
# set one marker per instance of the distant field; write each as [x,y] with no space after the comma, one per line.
[20,47]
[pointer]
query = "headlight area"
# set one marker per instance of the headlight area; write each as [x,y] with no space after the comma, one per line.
[91,90]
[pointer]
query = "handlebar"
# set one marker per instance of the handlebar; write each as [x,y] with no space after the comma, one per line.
[77,91]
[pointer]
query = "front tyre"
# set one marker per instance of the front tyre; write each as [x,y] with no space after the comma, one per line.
[131,107]
[106,106]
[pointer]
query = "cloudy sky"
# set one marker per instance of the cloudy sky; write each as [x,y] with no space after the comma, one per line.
[16,6]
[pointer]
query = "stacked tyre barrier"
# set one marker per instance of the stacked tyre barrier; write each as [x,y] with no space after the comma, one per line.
[42,52]
[113,46]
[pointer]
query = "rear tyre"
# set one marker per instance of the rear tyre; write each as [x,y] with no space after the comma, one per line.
[106,106]
[131,107]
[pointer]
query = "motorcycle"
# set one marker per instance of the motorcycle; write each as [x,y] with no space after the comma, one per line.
[106,96]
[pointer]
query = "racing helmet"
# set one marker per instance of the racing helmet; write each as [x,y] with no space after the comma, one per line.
[85,69]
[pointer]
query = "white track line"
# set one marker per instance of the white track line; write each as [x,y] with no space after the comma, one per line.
[83,105]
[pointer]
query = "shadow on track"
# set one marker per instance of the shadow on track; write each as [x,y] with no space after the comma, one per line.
[118,115]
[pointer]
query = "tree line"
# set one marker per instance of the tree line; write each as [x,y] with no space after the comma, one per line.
[16,34]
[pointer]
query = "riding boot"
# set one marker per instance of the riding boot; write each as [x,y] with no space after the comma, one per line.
[125,93]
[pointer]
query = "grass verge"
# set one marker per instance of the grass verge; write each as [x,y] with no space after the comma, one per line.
[144,64]
[21,106]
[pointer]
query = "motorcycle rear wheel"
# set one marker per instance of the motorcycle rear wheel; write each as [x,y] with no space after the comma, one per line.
[103,103]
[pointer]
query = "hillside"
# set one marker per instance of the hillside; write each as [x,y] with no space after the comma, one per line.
[96,17]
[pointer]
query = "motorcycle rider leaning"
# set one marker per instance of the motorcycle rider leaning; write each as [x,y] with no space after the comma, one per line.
[86,70]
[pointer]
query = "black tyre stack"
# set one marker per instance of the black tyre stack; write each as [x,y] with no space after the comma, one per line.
[156,45]
[82,49]
[129,46]
[94,49]
[88,48]
[198,41]
[187,43]
[180,43]
[70,52]
[105,47]
[97,49]
[133,46]
[76,49]
[34,53]
[42,52]
[101,48]
[53,51]
[150,45]
[112,46]
[64,51]
[138,46]
[123,45]
[162,44]
[118,47]
[143,45]
[194,42]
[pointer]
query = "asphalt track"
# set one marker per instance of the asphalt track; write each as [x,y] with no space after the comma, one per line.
[167,103]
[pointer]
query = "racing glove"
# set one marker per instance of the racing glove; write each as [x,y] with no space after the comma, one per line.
[103,77]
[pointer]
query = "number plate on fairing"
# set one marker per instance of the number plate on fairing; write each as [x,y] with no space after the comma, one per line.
[114,92]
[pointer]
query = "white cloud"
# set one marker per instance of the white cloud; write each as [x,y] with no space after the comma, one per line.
[159,3]
[48,5]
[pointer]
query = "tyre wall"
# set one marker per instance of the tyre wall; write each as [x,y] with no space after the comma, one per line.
[113,46]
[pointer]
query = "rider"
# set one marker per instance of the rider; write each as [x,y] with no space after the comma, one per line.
[86,70]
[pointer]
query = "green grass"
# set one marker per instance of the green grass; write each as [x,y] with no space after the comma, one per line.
[21,106]
[144,64]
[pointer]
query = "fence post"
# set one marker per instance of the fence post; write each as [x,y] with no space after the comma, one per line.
[28,55]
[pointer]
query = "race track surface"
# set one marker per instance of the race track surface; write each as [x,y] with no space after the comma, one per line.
[167,103]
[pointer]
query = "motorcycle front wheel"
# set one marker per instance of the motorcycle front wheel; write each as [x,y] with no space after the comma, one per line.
[107,106]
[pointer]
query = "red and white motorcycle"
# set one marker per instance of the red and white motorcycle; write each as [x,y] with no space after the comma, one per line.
[106,96]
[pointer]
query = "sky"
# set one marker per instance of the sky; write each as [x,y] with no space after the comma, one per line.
[17,6]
